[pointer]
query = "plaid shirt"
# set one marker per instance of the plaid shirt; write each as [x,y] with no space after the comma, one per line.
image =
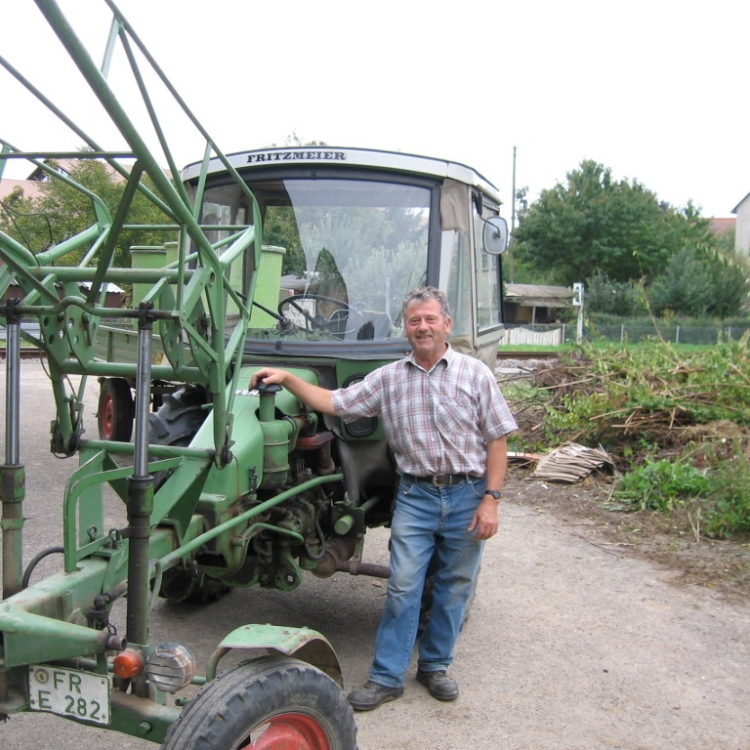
[436,422]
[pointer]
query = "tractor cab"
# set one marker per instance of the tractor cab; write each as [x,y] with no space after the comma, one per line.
[347,233]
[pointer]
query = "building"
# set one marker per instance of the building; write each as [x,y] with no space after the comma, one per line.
[31,186]
[723,226]
[535,303]
[742,231]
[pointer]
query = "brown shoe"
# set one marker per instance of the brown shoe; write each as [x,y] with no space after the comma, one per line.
[373,694]
[438,684]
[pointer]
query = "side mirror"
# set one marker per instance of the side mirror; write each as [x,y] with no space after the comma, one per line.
[495,236]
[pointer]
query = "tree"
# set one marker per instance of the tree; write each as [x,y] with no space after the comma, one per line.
[701,285]
[280,223]
[62,210]
[623,299]
[594,223]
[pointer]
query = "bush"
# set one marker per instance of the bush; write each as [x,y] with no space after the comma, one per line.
[718,498]
[696,283]
[660,485]
[728,509]
[614,298]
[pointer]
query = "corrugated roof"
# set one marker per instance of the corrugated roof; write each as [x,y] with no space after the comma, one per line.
[538,291]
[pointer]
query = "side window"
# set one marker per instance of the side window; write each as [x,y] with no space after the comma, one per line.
[455,248]
[487,274]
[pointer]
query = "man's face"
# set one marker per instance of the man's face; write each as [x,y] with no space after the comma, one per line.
[426,329]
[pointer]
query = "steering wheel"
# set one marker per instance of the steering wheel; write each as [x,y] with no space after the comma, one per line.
[314,322]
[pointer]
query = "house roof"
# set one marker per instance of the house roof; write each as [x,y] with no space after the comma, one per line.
[735,209]
[62,165]
[30,188]
[719,226]
[538,295]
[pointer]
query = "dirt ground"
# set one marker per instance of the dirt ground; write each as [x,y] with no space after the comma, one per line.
[670,541]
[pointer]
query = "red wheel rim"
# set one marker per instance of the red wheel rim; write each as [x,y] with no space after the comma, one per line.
[107,416]
[288,732]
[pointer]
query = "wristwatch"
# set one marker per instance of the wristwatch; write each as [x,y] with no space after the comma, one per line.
[494,493]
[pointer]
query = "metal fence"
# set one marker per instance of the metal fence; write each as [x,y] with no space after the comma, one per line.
[553,335]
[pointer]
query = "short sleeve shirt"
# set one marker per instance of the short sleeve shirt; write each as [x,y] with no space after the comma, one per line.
[436,422]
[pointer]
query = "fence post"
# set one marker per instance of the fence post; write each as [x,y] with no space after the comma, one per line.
[677,335]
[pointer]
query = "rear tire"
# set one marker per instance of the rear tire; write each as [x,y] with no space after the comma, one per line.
[179,417]
[271,703]
[116,411]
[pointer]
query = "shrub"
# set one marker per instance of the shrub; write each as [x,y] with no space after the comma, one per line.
[728,495]
[660,485]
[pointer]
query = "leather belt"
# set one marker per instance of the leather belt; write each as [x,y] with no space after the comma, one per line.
[441,480]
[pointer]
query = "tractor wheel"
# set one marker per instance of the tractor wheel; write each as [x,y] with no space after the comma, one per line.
[180,586]
[116,410]
[271,703]
[179,417]
[177,421]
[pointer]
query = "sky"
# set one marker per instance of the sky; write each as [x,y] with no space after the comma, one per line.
[654,90]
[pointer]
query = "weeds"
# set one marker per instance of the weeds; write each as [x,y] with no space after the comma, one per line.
[728,512]
[659,485]
[716,499]
[677,424]
[613,396]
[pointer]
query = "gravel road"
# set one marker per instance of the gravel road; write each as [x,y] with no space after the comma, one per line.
[568,645]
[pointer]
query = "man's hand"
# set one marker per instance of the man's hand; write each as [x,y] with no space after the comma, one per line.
[486,518]
[268,375]
[319,399]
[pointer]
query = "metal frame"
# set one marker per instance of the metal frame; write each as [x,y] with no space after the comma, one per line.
[187,303]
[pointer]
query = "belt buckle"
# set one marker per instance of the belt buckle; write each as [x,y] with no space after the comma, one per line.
[441,480]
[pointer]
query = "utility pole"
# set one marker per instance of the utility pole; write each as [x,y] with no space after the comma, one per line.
[511,264]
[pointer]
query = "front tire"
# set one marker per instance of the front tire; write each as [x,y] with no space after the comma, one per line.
[270,703]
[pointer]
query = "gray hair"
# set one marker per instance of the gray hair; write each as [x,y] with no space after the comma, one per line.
[425,294]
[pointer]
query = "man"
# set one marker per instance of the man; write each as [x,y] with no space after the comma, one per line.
[446,421]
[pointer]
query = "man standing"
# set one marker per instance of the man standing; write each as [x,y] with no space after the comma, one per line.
[446,421]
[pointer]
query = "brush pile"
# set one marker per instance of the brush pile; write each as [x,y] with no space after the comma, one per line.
[648,399]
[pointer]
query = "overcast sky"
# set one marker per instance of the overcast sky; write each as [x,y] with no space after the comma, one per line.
[654,90]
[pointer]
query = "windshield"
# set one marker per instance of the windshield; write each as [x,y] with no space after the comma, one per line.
[339,254]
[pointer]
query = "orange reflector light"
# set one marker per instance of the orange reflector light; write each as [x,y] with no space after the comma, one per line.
[128,664]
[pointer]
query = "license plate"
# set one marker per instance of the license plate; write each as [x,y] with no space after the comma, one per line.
[77,695]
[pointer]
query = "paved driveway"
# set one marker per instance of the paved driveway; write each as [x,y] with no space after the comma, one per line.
[567,646]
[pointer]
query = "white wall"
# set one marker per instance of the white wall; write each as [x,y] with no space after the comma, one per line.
[742,232]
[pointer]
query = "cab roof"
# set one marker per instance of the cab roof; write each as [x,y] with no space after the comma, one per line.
[335,156]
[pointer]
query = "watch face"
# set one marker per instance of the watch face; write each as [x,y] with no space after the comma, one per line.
[494,494]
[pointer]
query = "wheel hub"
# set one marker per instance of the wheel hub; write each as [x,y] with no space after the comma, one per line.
[290,731]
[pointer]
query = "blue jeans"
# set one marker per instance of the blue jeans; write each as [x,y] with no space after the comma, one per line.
[427,519]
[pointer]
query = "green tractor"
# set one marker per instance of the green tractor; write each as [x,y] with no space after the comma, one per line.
[296,257]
